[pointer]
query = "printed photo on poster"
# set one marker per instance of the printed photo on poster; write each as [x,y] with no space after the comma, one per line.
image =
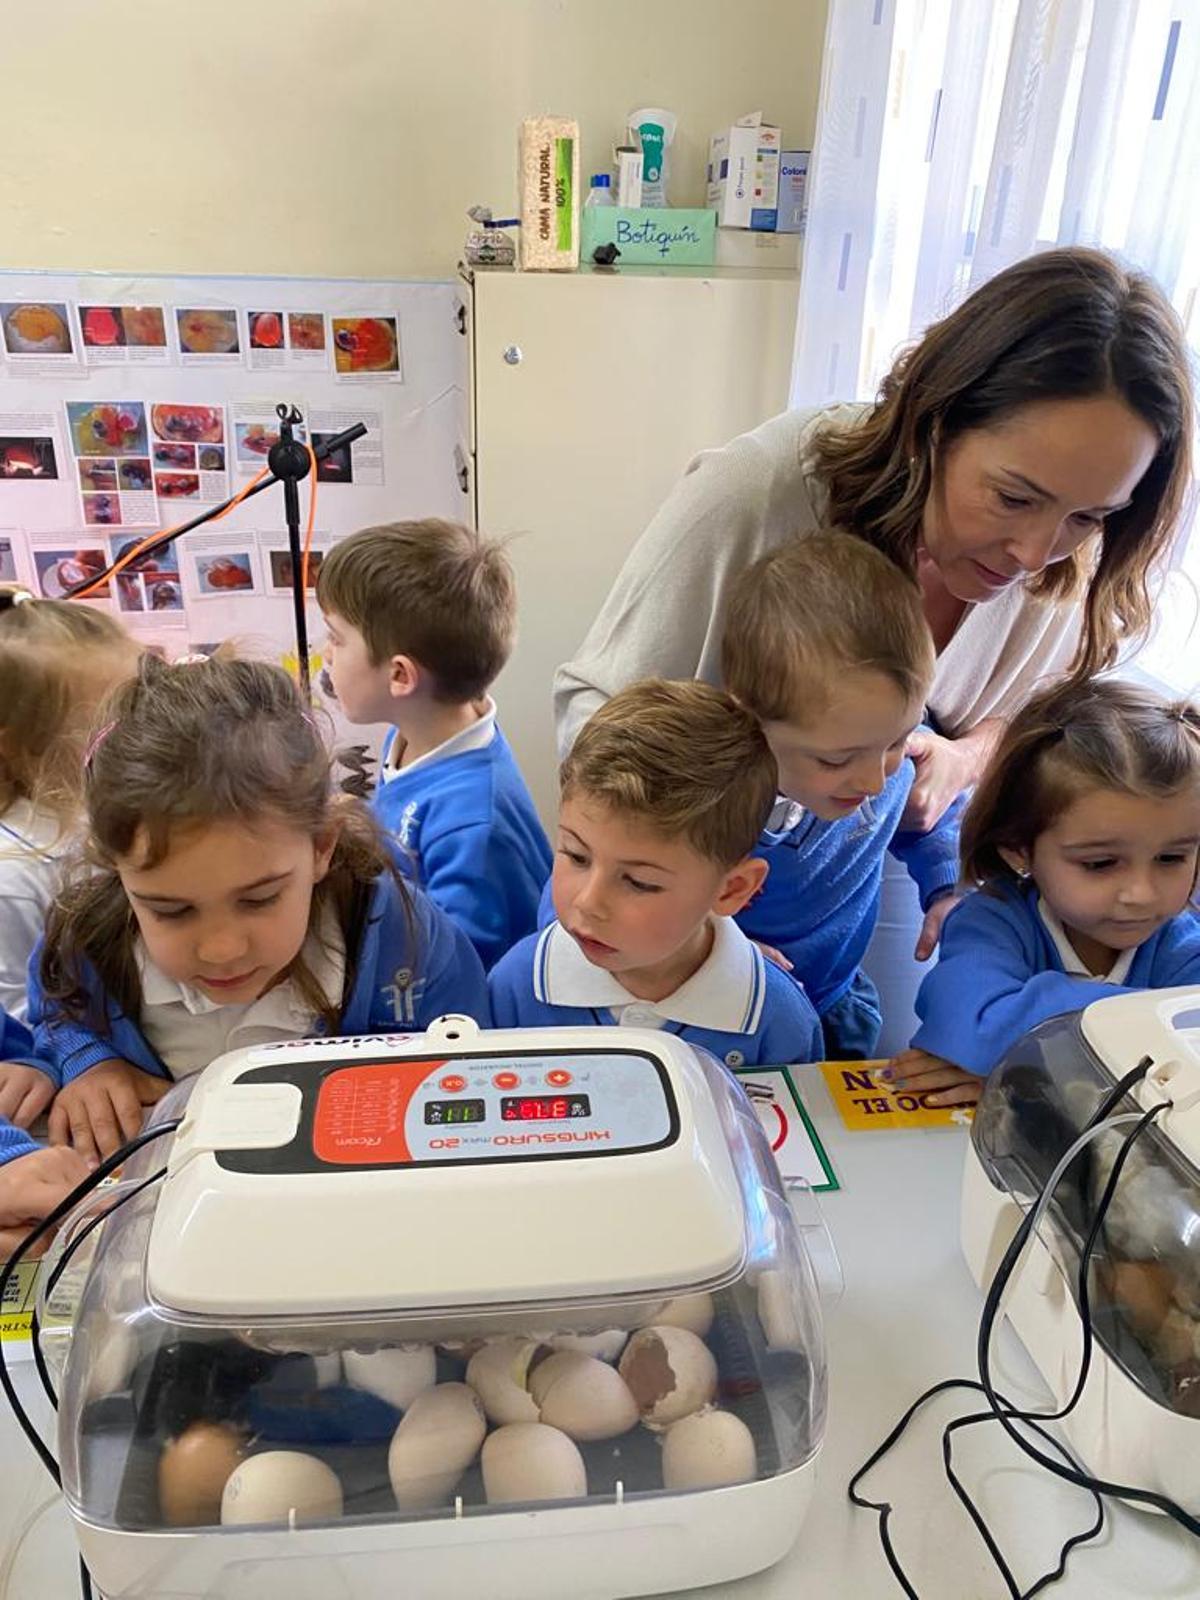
[36,329]
[188,424]
[206,332]
[280,567]
[256,432]
[337,467]
[266,330]
[151,583]
[365,454]
[366,346]
[121,335]
[225,573]
[29,457]
[189,452]
[8,559]
[286,339]
[107,427]
[60,570]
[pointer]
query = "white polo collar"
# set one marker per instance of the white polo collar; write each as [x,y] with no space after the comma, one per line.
[1070,958]
[324,955]
[33,831]
[725,995]
[477,737]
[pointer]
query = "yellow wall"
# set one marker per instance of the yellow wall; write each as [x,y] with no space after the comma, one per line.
[146,134]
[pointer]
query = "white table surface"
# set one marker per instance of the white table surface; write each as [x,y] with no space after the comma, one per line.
[908,1318]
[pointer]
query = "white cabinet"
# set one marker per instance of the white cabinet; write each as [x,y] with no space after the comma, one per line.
[589,394]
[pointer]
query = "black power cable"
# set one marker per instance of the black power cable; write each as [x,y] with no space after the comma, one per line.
[1003,1411]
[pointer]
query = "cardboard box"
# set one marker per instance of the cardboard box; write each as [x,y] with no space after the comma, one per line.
[743,174]
[793,190]
[549,186]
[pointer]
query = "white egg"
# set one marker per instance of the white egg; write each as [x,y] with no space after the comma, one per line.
[708,1450]
[281,1486]
[531,1461]
[606,1346]
[670,1372]
[437,1440]
[398,1375]
[499,1375]
[778,1313]
[694,1312]
[583,1396]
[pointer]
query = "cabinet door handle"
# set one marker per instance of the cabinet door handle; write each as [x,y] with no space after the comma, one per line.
[514,355]
[460,318]
[461,470]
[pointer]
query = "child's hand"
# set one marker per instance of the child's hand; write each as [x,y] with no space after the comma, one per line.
[103,1108]
[25,1092]
[931,927]
[917,1072]
[777,956]
[30,1188]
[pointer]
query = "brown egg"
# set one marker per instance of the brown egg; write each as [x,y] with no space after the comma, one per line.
[193,1471]
[1142,1289]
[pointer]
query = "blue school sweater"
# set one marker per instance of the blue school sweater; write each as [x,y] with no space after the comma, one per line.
[404,978]
[1001,972]
[16,1045]
[821,897]
[468,825]
[741,1007]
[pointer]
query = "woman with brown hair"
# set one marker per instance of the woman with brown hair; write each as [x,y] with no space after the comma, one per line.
[1026,460]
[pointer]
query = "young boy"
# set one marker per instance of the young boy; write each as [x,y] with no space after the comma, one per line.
[32,1180]
[664,794]
[826,643]
[420,619]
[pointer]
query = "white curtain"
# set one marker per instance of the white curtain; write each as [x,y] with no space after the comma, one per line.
[957,136]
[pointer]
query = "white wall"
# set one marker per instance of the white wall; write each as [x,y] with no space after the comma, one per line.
[347,137]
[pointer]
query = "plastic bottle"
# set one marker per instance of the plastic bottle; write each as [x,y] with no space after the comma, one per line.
[600,193]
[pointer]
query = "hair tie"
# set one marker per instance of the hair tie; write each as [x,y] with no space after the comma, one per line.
[17,596]
[94,744]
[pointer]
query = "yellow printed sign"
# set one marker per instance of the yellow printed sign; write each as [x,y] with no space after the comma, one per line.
[864,1103]
[20,1296]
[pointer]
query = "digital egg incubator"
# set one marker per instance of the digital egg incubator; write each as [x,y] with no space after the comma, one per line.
[511,1314]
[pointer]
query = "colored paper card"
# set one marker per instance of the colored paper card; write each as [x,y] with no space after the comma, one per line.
[16,1314]
[865,1104]
[788,1127]
[652,235]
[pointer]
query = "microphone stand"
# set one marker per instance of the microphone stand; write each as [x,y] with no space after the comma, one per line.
[288,462]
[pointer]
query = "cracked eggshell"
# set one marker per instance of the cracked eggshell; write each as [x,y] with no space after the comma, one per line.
[707,1451]
[582,1396]
[694,1312]
[670,1372]
[606,1346]
[397,1375]
[193,1470]
[437,1440]
[531,1461]
[499,1375]
[278,1484]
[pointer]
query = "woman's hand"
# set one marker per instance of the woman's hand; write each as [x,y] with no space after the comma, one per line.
[931,927]
[25,1092]
[945,767]
[103,1108]
[937,1082]
[30,1188]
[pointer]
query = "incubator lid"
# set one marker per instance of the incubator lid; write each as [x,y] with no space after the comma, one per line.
[1163,1024]
[449,1170]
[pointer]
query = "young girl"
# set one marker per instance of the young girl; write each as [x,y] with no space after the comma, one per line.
[57,660]
[231,901]
[1083,837]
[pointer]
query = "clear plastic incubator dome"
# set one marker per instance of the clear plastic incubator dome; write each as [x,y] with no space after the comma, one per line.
[388,1296]
[1138,1417]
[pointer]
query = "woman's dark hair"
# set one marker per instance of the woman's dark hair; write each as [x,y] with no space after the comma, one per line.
[1066,742]
[183,746]
[1062,325]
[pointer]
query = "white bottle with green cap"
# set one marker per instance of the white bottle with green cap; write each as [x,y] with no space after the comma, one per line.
[652,130]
